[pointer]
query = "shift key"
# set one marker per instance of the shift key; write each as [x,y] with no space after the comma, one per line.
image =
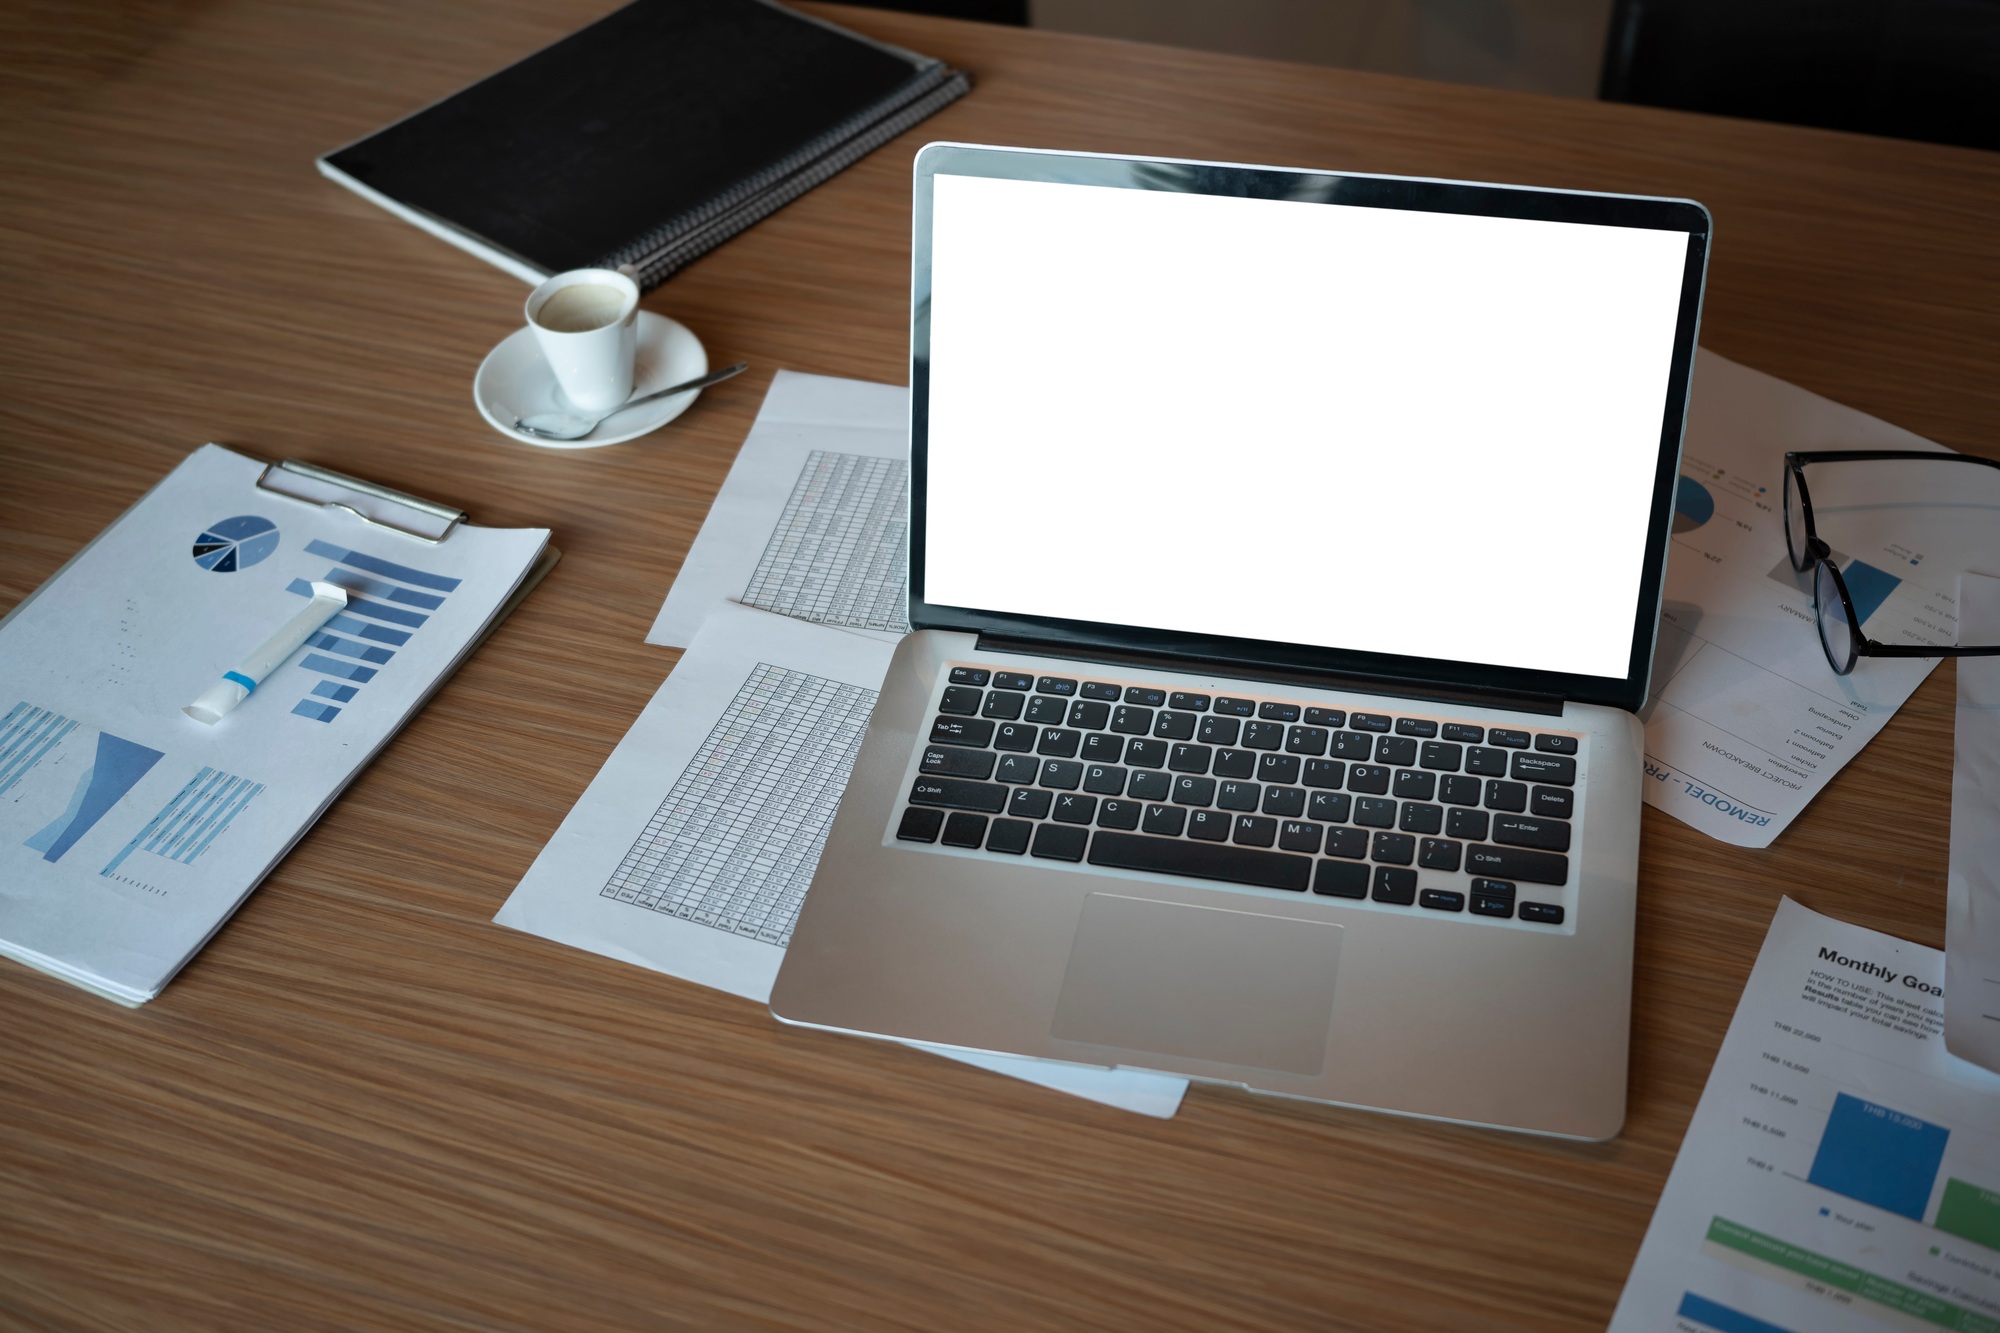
[958,794]
[1517,863]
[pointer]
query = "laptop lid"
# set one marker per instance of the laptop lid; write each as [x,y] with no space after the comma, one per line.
[1292,422]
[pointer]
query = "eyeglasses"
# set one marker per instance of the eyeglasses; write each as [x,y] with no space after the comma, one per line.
[1833,610]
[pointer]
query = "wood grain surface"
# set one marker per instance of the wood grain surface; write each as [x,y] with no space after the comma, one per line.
[364,1106]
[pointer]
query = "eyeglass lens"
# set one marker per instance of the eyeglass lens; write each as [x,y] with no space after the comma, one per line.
[1795,520]
[1836,631]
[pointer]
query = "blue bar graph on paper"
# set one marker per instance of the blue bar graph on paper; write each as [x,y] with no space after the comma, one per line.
[377,604]
[362,606]
[362,629]
[189,823]
[1868,586]
[318,712]
[1879,1156]
[354,582]
[340,694]
[360,675]
[400,573]
[1721,1318]
[333,643]
[26,734]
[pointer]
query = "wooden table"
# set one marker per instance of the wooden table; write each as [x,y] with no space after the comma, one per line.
[365,1106]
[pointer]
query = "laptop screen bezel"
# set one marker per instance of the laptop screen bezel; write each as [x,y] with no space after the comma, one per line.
[1082,638]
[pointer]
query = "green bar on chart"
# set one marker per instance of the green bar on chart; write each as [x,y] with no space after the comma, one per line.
[1970,1212]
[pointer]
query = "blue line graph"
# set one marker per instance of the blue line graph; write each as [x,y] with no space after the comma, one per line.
[119,766]
[387,603]
[26,734]
[193,819]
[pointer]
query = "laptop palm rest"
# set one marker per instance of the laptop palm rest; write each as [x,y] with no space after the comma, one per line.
[1205,983]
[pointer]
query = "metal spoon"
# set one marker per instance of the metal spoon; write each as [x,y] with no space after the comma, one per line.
[569,426]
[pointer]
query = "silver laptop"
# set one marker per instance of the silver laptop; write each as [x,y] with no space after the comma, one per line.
[1285,560]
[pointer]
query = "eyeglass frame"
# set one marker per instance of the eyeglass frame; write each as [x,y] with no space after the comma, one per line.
[1818,553]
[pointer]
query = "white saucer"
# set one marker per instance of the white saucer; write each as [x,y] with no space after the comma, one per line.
[514,381]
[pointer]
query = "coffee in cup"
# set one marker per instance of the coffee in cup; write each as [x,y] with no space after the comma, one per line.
[586,322]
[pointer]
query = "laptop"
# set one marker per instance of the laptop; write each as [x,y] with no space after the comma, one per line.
[1285,558]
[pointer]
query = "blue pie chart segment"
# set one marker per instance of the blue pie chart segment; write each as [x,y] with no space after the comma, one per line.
[1693,505]
[235,543]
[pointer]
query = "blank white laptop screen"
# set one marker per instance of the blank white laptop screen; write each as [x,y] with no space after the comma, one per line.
[1372,429]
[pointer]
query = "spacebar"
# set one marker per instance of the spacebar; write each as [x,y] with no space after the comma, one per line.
[1202,860]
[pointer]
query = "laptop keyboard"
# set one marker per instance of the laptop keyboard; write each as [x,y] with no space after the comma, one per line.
[1395,809]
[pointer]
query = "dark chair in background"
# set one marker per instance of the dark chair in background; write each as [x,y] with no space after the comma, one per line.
[1910,69]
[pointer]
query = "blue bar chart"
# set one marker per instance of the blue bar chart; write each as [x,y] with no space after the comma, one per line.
[387,603]
[1879,1156]
[196,816]
[28,733]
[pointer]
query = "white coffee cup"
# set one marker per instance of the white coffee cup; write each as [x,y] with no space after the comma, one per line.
[587,324]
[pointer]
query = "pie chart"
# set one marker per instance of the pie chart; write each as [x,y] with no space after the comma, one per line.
[1693,505]
[235,543]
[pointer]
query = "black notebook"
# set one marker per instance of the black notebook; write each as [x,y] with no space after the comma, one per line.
[646,139]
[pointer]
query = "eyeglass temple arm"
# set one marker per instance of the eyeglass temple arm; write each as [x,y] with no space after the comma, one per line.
[1800,458]
[1870,648]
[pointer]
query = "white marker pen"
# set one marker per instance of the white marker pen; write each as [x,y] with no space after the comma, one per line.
[235,686]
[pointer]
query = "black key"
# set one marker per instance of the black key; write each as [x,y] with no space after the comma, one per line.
[1486,763]
[1549,914]
[1396,849]
[1194,791]
[1220,730]
[1285,802]
[1012,680]
[1254,831]
[1439,854]
[1062,774]
[1506,796]
[1102,747]
[1545,768]
[1055,685]
[1398,750]
[1097,689]
[1046,708]
[1296,835]
[958,794]
[1146,785]
[1058,741]
[1072,808]
[1009,836]
[1550,835]
[1416,817]
[1208,825]
[1467,824]
[1368,721]
[961,731]
[1494,888]
[1326,717]
[1016,736]
[1146,698]
[964,830]
[1118,814]
[1030,803]
[1549,744]
[961,700]
[1552,802]
[1236,707]
[1232,865]
[1278,768]
[1132,721]
[1333,807]
[1416,726]
[1018,768]
[1003,704]
[1412,785]
[1459,789]
[1174,726]
[1351,843]
[1263,735]
[1515,863]
[1375,812]
[1144,753]
[1395,886]
[952,762]
[1165,819]
[1089,714]
[1278,712]
[1306,740]
[1104,780]
[1238,795]
[1194,703]
[1441,900]
[1340,879]
[970,675]
[1507,738]
[1235,764]
[1369,778]
[1190,758]
[1054,842]
[1460,731]
[920,825]
[1442,756]
[1328,773]
[1352,745]
[1485,904]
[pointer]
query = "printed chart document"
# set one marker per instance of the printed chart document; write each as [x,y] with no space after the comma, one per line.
[1842,1171]
[128,830]
[694,846]
[1972,908]
[1747,722]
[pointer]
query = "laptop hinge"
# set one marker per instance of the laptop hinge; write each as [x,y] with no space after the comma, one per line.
[1549,705]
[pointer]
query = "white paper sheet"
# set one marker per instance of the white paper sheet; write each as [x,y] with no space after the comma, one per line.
[1972,908]
[1842,1170]
[128,830]
[694,845]
[811,522]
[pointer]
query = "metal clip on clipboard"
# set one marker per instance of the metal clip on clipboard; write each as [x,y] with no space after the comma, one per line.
[412,516]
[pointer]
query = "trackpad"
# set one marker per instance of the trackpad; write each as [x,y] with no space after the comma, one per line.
[1202,982]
